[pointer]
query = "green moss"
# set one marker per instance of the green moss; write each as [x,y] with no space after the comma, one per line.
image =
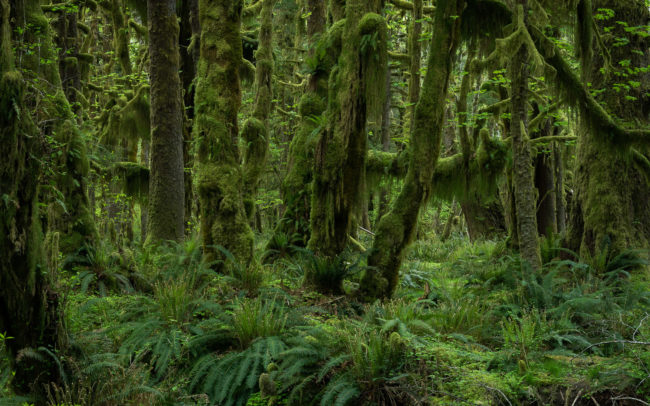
[341,151]
[218,175]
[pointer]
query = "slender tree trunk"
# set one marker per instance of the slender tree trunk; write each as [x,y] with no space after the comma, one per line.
[255,132]
[385,140]
[190,33]
[560,201]
[522,175]
[398,227]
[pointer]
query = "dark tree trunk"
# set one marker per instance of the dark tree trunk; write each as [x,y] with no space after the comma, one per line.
[166,180]
[545,184]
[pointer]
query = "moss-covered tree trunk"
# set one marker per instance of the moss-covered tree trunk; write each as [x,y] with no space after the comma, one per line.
[296,186]
[29,310]
[355,92]
[397,228]
[522,170]
[218,174]
[73,219]
[255,133]
[166,181]
[611,206]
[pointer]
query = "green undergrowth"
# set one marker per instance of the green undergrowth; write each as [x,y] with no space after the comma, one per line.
[468,325]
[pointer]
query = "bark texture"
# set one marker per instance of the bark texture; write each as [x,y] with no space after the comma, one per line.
[522,170]
[167,187]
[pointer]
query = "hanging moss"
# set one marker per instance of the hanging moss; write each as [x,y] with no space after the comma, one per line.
[454,177]
[73,218]
[29,311]
[218,175]
[135,178]
[341,151]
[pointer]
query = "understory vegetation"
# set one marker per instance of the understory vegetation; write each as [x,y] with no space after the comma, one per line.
[324,202]
[469,324]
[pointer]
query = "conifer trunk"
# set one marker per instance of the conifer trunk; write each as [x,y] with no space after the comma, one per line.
[166,181]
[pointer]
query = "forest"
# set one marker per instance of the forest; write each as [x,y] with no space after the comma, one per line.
[324,202]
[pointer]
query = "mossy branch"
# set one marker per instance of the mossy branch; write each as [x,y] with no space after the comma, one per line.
[407,5]
[574,91]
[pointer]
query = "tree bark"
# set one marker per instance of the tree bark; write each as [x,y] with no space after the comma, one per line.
[166,179]
[522,175]
[218,173]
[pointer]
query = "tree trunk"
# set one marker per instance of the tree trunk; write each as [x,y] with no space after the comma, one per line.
[397,228]
[218,174]
[166,179]
[356,93]
[255,133]
[29,310]
[611,205]
[522,175]
[545,184]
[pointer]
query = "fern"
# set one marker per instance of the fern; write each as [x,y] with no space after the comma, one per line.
[231,379]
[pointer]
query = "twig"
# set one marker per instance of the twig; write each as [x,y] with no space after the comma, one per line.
[367,231]
[630,398]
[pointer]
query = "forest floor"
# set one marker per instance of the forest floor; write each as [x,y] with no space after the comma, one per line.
[468,325]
